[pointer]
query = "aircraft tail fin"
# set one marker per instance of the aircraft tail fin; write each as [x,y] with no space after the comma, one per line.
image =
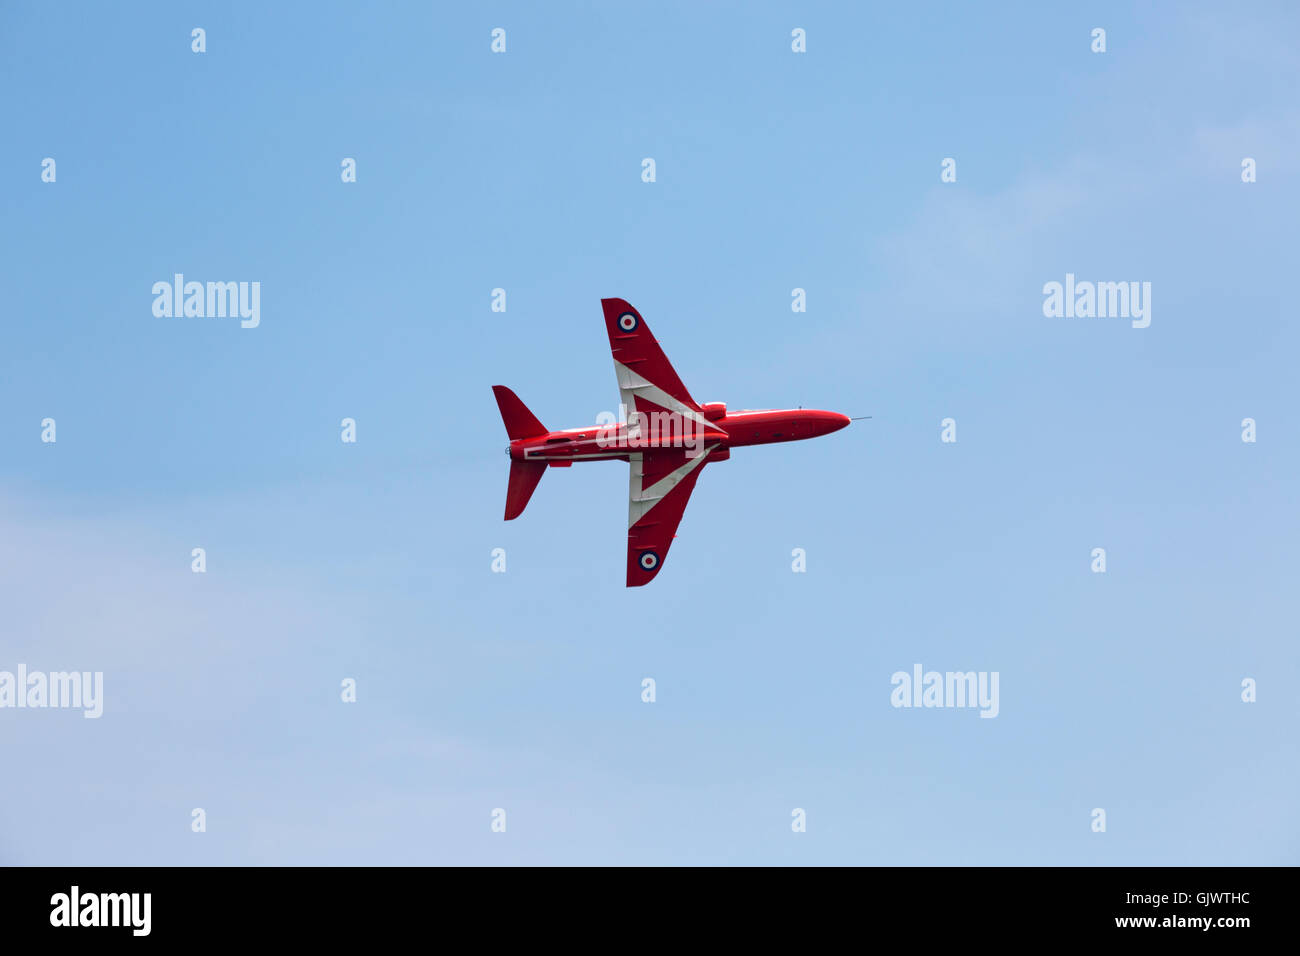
[524,476]
[519,421]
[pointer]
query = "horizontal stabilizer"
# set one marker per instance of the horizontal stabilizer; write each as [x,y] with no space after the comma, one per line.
[519,421]
[524,476]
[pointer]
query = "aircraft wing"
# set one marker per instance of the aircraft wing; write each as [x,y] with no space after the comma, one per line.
[661,483]
[647,381]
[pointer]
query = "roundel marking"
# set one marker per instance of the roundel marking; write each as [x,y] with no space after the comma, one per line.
[627,322]
[648,560]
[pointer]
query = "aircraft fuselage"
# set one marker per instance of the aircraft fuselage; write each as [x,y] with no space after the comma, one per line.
[730,430]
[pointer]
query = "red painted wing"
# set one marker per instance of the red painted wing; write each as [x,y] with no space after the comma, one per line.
[636,351]
[661,483]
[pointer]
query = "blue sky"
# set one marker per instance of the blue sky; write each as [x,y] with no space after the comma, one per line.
[521,690]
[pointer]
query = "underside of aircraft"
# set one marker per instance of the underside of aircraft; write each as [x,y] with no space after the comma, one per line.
[667,439]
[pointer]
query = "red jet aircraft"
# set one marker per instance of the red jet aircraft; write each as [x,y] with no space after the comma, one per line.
[667,439]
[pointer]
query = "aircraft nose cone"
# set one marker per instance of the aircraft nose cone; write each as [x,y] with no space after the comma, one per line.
[836,421]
